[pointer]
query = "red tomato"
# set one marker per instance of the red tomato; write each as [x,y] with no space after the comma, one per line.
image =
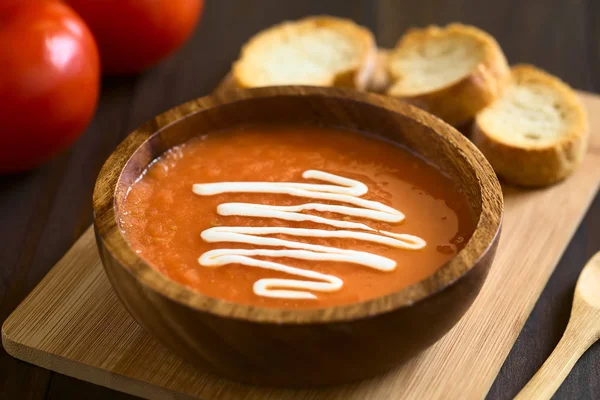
[49,80]
[134,34]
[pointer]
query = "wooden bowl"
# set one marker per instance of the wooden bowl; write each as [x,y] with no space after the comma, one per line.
[299,347]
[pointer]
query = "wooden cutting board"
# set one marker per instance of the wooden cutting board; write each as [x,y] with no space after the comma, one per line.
[74,324]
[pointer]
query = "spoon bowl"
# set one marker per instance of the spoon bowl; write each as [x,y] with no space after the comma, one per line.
[582,331]
[588,284]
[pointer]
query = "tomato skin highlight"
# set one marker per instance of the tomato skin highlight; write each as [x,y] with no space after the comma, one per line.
[133,35]
[49,81]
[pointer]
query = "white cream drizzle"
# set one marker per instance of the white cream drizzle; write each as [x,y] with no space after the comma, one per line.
[343,190]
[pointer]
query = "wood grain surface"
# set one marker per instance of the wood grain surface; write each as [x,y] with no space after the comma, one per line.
[74,324]
[44,211]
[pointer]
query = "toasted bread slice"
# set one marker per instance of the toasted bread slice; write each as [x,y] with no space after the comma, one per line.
[452,72]
[317,51]
[536,133]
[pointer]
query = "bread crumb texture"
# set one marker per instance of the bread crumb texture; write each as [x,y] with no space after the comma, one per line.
[429,59]
[536,110]
[536,133]
[311,51]
[453,72]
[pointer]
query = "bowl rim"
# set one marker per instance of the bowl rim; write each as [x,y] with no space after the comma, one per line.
[109,236]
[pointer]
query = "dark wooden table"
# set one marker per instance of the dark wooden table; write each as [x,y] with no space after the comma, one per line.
[44,211]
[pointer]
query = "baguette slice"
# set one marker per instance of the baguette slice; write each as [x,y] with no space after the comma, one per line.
[536,133]
[317,51]
[452,72]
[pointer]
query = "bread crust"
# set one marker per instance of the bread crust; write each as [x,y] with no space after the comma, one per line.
[540,165]
[461,100]
[357,76]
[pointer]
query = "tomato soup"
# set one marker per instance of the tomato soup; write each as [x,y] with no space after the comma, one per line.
[294,217]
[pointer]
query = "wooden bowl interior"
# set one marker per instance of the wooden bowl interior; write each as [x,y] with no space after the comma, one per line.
[422,133]
[310,110]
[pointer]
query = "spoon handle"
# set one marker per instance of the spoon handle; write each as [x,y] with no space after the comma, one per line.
[578,337]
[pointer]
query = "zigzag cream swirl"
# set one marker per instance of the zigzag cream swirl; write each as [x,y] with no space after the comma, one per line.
[343,190]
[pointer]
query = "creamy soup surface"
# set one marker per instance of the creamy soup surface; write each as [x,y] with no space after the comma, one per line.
[294,217]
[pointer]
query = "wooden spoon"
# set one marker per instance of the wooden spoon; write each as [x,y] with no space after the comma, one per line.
[582,331]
